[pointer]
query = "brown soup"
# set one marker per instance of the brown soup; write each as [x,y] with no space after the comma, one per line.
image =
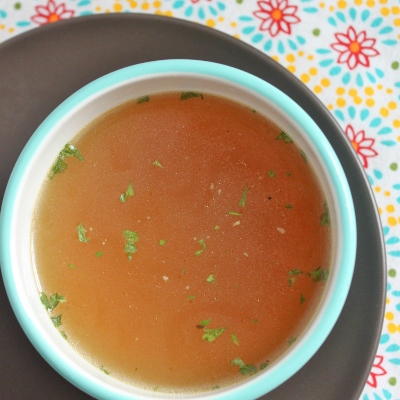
[181,242]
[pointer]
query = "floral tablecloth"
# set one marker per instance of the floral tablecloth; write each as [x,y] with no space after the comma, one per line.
[347,52]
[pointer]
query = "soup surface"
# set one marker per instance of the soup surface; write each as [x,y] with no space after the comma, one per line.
[181,242]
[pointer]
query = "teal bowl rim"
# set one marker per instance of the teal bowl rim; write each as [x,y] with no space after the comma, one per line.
[263,383]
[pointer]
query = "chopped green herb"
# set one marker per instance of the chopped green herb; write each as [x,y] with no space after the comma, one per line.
[215,387]
[99,253]
[64,335]
[211,279]
[243,368]
[253,111]
[234,213]
[304,156]
[205,322]
[190,95]
[72,266]
[157,164]
[271,174]
[143,99]
[255,321]
[183,271]
[60,165]
[131,238]
[235,339]
[288,173]
[302,298]
[191,297]
[211,334]
[289,206]
[285,137]
[198,252]
[291,281]
[216,227]
[162,242]
[295,271]
[104,370]
[52,302]
[291,340]
[56,320]
[325,218]
[264,365]
[129,193]
[155,389]
[82,234]
[242,201]
[320,275]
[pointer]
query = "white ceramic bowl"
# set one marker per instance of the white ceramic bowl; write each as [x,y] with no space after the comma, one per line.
[105,93]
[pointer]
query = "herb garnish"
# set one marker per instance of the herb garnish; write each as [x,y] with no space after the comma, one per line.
[319,275]
[104,370]
[131,238]
[143,99]
[234,213]
[205,322]
[325,218]
[216,227]
[191,297]
[242,201]
[288,174]
[211,279]
[264,365]
[99,253]
[289,206]
[304,156]
[72,266]
[60,165]
[291,281]
[56,320]
[302,298]
[292,273]
[198,252]
[243,368]
[64,335]
[52,302]
[190,95]
[129,193]
[285,137]
[157,164]
[82,234]
[211,334]
[235,339]
[162,242]
[271,174]
[291,340]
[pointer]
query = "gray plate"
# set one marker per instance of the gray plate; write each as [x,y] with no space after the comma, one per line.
[42,67]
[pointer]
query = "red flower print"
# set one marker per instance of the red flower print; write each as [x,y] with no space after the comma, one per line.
[361,144]
[354,48]
[376,370]
[51,13]
[277,16]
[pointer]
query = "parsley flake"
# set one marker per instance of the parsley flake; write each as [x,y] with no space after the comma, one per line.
[302,298]
[198,252]
[157,164]
[235,339]
[285,137]
[64,335]
[72,266]
[304,156]
[289,206]
[325,218]
[288,174]
[82,234]
[243,368]
[104,370]
[52,302]
[216,227]
[130,247]
[295,271]
[60,165]
[205,322]
[143,99]
[271,174]
[211,279]
[264,365]
[291,340]
[56,320]
[129,193]
[291,281]
[211,334]
[243,199]
[215,387]
[190,95]
[99,253]
[319,275]
[191,297]
[234,213]
[162,242]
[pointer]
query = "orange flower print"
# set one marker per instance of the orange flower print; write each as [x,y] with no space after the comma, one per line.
[377,370]
[277,16]
[51,12]
[361,144]
[354,48]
